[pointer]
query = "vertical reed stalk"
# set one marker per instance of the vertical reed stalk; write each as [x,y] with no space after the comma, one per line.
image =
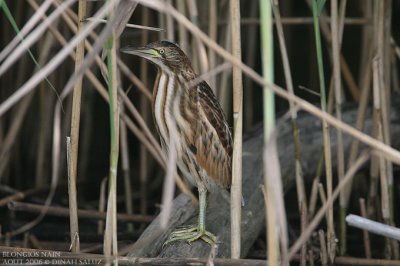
[365,86]
[183,34]
[269,123]
[267,67]
[75,123]
[367,243]
[170,25]
[236,189]
[198,48]
[126,170]
[383,49]
[339,100]
[223,94]
[110,237]
[212,32]
[301,194]
[381,163]
[102,205]
[331,241]
[144,157]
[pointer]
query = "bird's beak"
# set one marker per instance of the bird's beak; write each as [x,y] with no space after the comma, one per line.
[140,51]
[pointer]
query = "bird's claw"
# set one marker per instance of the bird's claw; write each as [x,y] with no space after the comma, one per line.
[191,234]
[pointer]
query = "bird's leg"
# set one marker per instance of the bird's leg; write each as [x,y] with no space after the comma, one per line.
[194,233]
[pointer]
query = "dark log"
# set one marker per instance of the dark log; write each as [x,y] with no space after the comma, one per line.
[150,244]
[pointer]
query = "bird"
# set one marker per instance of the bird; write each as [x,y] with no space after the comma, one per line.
[189,113]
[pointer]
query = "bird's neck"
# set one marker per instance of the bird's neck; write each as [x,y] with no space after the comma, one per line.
[184,75]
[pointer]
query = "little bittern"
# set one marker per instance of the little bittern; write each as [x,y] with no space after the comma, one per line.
[203,141]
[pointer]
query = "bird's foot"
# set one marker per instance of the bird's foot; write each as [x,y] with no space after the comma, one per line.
[191,234]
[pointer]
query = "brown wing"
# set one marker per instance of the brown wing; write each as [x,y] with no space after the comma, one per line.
[214,140]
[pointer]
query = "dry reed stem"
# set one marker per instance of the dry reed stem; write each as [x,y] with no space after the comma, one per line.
[378,107]
[223,93]
[236,187]
[388,152]
[102,204]
[17,121]
[120,260]
[363,104]
[45,114]
[182,32]
[313,197]
[384,53]
[52,64]
[317,218]
[102,91]
[145,111]
[12,133]
[35,34]
[198,49]
[367,243]
[311,257]
[156,151]
[298,20]
[73,204]
[323,253]
[301,194]
[347,75]
[322,196]
[366,42]
[303,224]
[123,13]
[336,43]
[54,176]
[327,149]
[83,214]
[33,20]
[75,124]
[110,233]
[136,114]
[212,32]
[270,220]
[20,195]
[276,214]
[129,25]
[125,166]
[18,118]
[170,25]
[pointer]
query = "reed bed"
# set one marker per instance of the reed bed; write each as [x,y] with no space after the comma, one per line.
[63,78]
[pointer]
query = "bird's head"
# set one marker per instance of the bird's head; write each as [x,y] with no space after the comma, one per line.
[166,55]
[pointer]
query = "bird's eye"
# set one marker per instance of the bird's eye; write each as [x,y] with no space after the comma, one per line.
[161,51]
